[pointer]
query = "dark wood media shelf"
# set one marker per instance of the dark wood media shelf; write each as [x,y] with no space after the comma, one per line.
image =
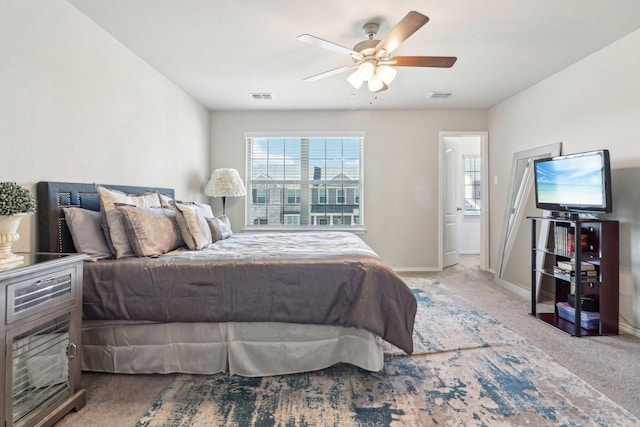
[587,245]
[558,322]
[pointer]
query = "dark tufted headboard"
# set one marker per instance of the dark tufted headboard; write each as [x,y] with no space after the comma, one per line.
[52,197]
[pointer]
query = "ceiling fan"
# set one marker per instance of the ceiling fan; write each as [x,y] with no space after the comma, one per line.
[372,58]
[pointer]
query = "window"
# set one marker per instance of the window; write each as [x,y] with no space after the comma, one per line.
[471,185]
[292,219]
[322,196]
[259,196]
[309,180]
[293,196]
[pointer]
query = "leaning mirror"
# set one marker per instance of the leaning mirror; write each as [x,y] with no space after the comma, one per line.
[513,269]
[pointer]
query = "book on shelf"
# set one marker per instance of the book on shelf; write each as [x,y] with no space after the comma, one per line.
[572,280]
[571,240]
[564,235]
[571,266]
[560,233]
[583,273]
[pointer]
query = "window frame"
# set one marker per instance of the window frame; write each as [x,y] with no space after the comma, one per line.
[357,220]
[478,170]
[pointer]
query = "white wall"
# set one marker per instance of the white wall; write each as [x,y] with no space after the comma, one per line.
[592,104]
[401,169]
[76,105]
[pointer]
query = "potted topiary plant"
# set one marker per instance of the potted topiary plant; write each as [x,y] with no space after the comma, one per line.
[15,203]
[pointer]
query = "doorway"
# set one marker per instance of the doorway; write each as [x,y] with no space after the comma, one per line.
[463,201]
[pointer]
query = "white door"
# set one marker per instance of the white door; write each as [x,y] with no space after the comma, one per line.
[451,210]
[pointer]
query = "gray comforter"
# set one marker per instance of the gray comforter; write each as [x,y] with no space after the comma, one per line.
[328,278]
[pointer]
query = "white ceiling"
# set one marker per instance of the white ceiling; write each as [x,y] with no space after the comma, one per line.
[222,51]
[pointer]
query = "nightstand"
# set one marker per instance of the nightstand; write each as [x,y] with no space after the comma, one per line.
[41,303]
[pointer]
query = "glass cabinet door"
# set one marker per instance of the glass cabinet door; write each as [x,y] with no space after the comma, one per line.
[39,366]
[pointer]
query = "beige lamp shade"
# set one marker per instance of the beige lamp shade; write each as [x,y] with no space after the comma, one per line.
[225,182]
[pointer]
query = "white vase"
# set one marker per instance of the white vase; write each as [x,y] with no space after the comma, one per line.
[8,236]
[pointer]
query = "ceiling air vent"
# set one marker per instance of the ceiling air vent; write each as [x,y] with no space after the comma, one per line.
[261,96]
[439,95]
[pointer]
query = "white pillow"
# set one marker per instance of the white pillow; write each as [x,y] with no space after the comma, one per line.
[205,209]
[165,201]
[112,220]
[193,225]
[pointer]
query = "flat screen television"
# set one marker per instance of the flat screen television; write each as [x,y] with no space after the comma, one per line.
[574,183]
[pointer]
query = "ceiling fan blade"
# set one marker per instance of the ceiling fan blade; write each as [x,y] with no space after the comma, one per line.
[423,61]
[317,41]
[408,25]
[329,73]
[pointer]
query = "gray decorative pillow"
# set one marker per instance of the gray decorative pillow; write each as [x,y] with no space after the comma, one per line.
[112,221]
[193,225]
[86,232]
[220,228]
[226,232]
[151,231]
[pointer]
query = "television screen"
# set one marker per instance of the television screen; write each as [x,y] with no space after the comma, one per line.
[574,183]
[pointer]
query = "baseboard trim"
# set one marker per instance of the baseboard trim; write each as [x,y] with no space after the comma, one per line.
[626,328]
[524,293]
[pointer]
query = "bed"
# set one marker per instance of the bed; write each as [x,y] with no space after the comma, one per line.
[252,304]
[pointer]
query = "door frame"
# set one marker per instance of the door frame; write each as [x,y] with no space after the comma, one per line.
[484,196]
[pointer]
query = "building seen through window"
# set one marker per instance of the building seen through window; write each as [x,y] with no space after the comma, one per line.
[304,181]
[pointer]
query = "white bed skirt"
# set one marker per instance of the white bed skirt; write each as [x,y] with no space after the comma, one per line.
[240,348]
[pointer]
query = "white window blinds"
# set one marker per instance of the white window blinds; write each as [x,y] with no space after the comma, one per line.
[304,181]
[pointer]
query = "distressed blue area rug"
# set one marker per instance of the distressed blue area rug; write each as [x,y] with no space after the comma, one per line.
[467,370]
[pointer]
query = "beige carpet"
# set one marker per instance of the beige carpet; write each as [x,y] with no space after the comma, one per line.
[606,363]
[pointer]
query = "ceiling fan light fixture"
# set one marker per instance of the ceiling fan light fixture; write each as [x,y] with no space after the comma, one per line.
[376,84]
[355,80]
[386,73]
[384,87]
[366,70]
